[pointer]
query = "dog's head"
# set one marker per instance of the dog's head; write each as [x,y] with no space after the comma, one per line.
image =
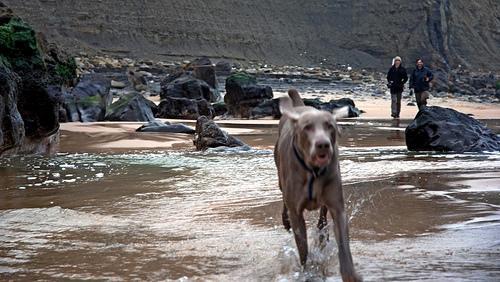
[315,132]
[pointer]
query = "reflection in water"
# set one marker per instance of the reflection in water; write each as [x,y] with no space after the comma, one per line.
[215,215]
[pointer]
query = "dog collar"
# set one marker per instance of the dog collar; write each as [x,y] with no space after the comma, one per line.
[313,174]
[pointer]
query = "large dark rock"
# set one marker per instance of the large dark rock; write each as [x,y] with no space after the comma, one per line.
[165,127]
[209,135]
[89,100]
[243,94]
[442,129]
[186,86]
[183,108]
[203,69]
[186,97]
[130,107]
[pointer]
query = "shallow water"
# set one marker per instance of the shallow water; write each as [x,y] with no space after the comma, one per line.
[184,215]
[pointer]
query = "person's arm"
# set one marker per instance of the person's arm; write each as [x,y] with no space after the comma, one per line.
[405,77]
[430,75]
[389,76]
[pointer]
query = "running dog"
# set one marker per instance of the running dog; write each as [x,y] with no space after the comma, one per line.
[306,155]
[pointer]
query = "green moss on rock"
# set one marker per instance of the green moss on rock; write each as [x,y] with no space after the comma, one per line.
[90,101]
[241,78]
[21,50]
[66,70]
[18,44]
[121,103]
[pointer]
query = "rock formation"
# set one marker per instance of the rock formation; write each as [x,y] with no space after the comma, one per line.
[88,101]
[130,107]
[187,93]
[209,135]
[442,129]
[243,94]
[31,75]
[165,127]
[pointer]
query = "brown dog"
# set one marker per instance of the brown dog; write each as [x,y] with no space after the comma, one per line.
[306,156]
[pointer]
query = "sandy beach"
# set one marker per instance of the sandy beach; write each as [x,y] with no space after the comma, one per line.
[122,136]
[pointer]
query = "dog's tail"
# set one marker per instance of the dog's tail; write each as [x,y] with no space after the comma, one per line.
[296,99]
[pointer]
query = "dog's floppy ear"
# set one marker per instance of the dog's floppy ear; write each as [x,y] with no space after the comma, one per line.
[340,113]
[286,108]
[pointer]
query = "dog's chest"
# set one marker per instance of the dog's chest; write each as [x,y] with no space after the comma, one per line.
[313,200]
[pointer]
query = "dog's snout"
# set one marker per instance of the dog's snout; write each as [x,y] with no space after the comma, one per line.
[322,145]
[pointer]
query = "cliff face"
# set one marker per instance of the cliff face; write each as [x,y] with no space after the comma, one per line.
[364,33]
[31,75]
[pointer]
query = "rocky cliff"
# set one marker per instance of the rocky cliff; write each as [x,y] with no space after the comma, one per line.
[31,75]
[361,33]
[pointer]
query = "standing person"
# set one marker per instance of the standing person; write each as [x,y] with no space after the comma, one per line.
[419,82]
[396,79]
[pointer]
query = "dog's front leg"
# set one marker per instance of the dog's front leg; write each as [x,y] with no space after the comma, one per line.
[341,230]
[300,234]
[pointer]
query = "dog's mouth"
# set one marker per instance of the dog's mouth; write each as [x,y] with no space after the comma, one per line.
[321,159]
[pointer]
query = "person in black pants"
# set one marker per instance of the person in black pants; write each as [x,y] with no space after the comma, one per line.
[396,79]
[419,82]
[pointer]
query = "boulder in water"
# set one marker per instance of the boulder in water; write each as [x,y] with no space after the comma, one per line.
[209,135]
[442,129]
[130,107]
[159,126]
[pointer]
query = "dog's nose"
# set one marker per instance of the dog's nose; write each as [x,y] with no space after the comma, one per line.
[322,145]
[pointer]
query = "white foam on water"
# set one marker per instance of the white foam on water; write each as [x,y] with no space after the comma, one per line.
[54,219]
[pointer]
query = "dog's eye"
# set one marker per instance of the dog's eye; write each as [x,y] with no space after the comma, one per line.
[328,126]
[309,127]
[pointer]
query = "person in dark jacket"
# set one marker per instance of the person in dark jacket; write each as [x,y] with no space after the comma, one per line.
[419,82]
[396,79]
